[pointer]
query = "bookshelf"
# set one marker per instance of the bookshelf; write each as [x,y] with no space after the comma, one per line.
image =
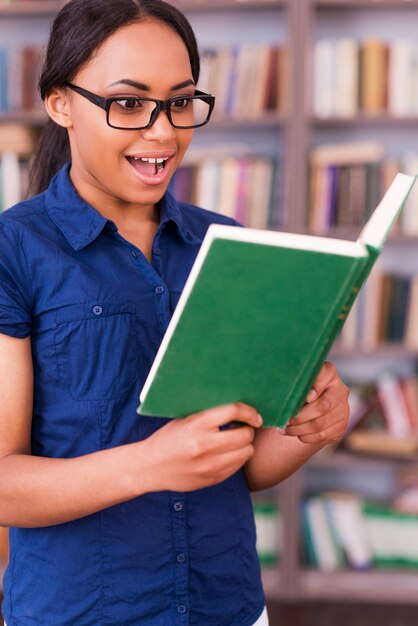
[331,20]
[289,136]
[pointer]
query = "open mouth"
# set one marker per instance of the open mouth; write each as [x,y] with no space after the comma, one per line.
[148,166]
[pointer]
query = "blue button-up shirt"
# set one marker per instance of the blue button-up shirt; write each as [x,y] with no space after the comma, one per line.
[96,311]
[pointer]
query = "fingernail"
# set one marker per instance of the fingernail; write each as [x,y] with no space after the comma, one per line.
[259,419]
[311,395]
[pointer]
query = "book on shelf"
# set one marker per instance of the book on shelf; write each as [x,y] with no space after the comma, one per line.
[345,184]
[373,89]
[271,304]
[385,314]
[242,187]
[322,548]
[372,77]
[269,527]
[392,536]
[384,417]
[14,178]
[409,220]
[19,67]
[345,517]
[248,80]
[346,180]
[344,530]
[394,407]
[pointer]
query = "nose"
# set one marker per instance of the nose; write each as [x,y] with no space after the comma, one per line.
[161,130]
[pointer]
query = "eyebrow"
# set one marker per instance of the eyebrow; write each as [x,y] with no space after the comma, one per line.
[143,87]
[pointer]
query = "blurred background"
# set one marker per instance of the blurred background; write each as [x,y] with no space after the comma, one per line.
[317,109]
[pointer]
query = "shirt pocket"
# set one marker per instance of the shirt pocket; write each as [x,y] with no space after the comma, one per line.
[96,346]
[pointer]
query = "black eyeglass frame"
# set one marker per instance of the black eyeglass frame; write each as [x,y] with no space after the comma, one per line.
[160,105]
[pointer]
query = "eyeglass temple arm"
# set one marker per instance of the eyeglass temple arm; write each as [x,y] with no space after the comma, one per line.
[98,100]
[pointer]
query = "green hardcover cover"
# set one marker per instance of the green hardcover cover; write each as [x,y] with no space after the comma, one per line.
[258,316]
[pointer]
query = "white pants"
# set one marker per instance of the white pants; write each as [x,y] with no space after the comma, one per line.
[263,620]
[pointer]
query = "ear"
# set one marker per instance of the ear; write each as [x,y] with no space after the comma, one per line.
[57,104]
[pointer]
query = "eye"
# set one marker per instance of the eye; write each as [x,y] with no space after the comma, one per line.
[181,104]
[130,104]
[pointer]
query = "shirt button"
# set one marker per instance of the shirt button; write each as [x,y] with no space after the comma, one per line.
[157,250]
[134,254]
[181,609]
[181,557]
[97,310]
[159,289]
[178,506]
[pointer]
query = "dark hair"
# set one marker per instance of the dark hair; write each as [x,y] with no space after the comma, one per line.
[78,30]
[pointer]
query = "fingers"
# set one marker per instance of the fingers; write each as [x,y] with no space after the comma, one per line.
[332,434]
[327,428]
[222,415]
[324,419]
[326,377]
[324,405]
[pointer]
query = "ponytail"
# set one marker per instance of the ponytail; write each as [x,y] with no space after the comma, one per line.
[53,151]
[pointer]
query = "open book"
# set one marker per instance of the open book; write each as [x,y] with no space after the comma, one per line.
[258,315]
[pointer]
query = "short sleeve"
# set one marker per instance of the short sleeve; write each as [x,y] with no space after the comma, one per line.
[15,317]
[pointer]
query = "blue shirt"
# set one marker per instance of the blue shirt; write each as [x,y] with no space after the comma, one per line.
[96,311]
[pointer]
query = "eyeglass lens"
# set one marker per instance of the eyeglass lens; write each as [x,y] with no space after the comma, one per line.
[135,113]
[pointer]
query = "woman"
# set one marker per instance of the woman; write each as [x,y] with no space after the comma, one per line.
[116,518]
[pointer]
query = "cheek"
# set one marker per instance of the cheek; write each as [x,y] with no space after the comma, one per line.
[184,139]
[98,144]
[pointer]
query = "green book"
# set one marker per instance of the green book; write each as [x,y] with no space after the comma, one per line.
[258,315]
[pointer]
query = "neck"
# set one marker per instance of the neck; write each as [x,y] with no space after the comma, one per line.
[122,212]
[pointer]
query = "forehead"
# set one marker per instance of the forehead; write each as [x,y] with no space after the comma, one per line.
[148,51]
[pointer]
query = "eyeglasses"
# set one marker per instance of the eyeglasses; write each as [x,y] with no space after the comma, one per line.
[131,113]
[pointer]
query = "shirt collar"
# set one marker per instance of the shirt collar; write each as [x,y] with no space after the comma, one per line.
[81,223]
[171,211]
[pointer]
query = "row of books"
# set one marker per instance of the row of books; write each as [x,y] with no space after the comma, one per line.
[342,530]
[269,528]
[247,80]
[246,188]
[19,68]
[384,416]
[17,143]
[14,179]
[347,182]
[385,312]
[371,77]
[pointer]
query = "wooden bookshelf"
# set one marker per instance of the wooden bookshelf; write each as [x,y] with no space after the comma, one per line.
[342,460]
[386,587]
[370,121]
[30,118]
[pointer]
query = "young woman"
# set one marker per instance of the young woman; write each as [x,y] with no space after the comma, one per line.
[118,519]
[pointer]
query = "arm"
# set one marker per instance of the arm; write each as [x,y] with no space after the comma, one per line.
[322,420]
[36,491]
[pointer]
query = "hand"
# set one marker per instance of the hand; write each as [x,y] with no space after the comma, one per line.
[191,453]
[324,417]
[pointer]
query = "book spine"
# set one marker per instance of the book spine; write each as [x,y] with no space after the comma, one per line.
[342,308]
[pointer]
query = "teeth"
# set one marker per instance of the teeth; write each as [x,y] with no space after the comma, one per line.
[161,160]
